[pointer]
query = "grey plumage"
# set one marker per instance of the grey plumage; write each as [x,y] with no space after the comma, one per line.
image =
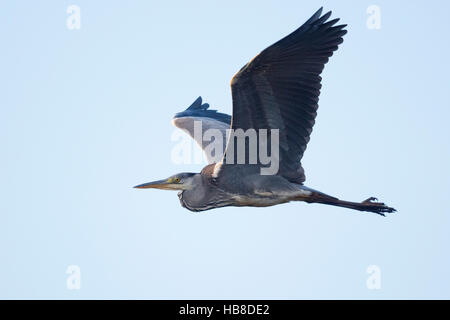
[278,89]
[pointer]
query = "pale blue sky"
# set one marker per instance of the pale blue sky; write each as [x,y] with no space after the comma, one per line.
[85,115]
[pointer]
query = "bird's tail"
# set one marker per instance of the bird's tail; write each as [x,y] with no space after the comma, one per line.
[369,205]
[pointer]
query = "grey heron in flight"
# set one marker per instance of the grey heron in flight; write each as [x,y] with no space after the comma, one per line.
[277,90]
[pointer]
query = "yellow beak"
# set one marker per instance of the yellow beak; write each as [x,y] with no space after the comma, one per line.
[159,184]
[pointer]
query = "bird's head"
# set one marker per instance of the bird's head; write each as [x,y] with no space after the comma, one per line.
[180,181]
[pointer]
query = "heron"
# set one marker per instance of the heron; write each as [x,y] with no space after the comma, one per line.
[277,90]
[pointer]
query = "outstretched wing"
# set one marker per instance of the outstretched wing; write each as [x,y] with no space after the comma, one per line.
[199,115]
[280,87]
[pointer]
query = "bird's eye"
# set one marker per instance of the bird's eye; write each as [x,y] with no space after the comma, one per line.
[177,180]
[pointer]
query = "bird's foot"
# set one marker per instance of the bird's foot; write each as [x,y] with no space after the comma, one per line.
[372,205]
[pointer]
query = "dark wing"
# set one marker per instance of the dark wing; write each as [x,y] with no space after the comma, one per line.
[280,87]
[209,119]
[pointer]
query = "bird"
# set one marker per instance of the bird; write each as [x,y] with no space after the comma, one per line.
[276,93]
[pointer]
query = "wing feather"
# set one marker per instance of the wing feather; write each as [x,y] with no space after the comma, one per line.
[208,119]
[280,88]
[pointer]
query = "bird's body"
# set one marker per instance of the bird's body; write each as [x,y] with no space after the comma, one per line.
[257,154]
[253,191]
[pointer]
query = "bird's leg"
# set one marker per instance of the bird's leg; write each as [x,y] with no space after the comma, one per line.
[370,205]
